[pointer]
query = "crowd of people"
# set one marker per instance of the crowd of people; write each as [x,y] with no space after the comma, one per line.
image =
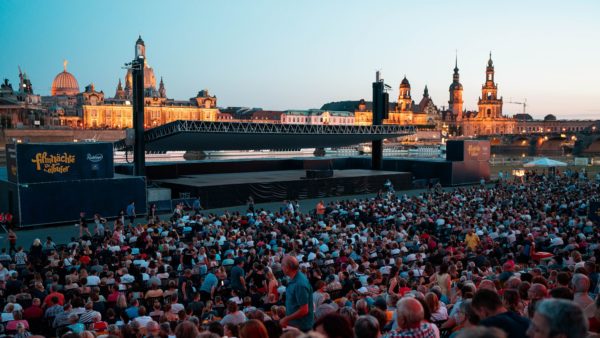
[515,259]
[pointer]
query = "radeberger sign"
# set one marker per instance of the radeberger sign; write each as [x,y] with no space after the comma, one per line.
[53,163]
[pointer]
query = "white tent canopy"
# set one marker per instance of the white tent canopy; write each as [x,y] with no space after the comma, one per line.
[545,163]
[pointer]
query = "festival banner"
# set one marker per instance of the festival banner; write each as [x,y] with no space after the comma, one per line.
[50,162]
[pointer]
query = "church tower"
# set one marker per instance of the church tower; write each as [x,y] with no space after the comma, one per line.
[490,106]
[162,92]
[120,93]
[128,86]
[404,99]
[455,104]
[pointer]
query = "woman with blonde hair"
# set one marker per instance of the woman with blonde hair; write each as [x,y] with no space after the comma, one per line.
[436,308]
[272,285]
[121,304]
[443,279]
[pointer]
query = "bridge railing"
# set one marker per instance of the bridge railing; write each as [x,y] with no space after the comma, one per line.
[266,128]
[260,128]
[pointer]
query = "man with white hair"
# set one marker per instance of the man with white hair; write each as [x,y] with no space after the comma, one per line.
[298,303]
[152,329]
[581,286]
[558,318]
[410,316]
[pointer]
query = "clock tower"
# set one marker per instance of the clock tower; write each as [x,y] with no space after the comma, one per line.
[490,106]
[404,98]
[455,104]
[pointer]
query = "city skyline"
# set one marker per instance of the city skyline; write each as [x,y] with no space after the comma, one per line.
[262,55]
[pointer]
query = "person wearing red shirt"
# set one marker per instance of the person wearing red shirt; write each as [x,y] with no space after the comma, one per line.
[34,311]
[54,293]
[114,295]
[85,259]
[320,210]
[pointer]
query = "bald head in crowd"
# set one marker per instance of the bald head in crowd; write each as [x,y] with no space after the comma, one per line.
[410,313]
[537,291]
[290,265]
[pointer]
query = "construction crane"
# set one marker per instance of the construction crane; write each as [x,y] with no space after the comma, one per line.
[524,104]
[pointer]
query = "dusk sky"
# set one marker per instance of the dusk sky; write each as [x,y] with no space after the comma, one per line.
[301,54]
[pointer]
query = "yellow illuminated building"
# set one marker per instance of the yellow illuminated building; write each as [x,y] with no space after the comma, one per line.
[117,112]
[404,112]
[157,111]
[407,112]
[489,119]
[363,116]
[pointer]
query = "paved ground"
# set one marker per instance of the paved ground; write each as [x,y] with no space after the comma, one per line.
[63,234]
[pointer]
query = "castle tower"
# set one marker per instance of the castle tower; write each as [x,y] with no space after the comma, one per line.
[490,106]
[455,104]
[404,99]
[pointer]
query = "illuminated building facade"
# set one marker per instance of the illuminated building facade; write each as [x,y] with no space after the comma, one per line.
[91,109]
[407,112]
[362,115]
[317,117]
[488,120]
[116,113]
[552,125]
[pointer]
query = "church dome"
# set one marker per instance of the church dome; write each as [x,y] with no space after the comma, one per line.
[405,82]
[65,83]
[550,117]
[149,78]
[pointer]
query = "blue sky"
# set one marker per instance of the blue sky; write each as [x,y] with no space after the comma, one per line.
[279,54]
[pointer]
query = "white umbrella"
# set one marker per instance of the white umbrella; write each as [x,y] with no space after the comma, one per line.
[546,163]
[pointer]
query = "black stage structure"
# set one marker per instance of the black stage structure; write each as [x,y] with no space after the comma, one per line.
[221,183]
[228,189]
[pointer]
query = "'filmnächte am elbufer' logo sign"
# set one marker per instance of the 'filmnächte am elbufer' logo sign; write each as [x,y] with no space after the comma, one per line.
[53,163]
